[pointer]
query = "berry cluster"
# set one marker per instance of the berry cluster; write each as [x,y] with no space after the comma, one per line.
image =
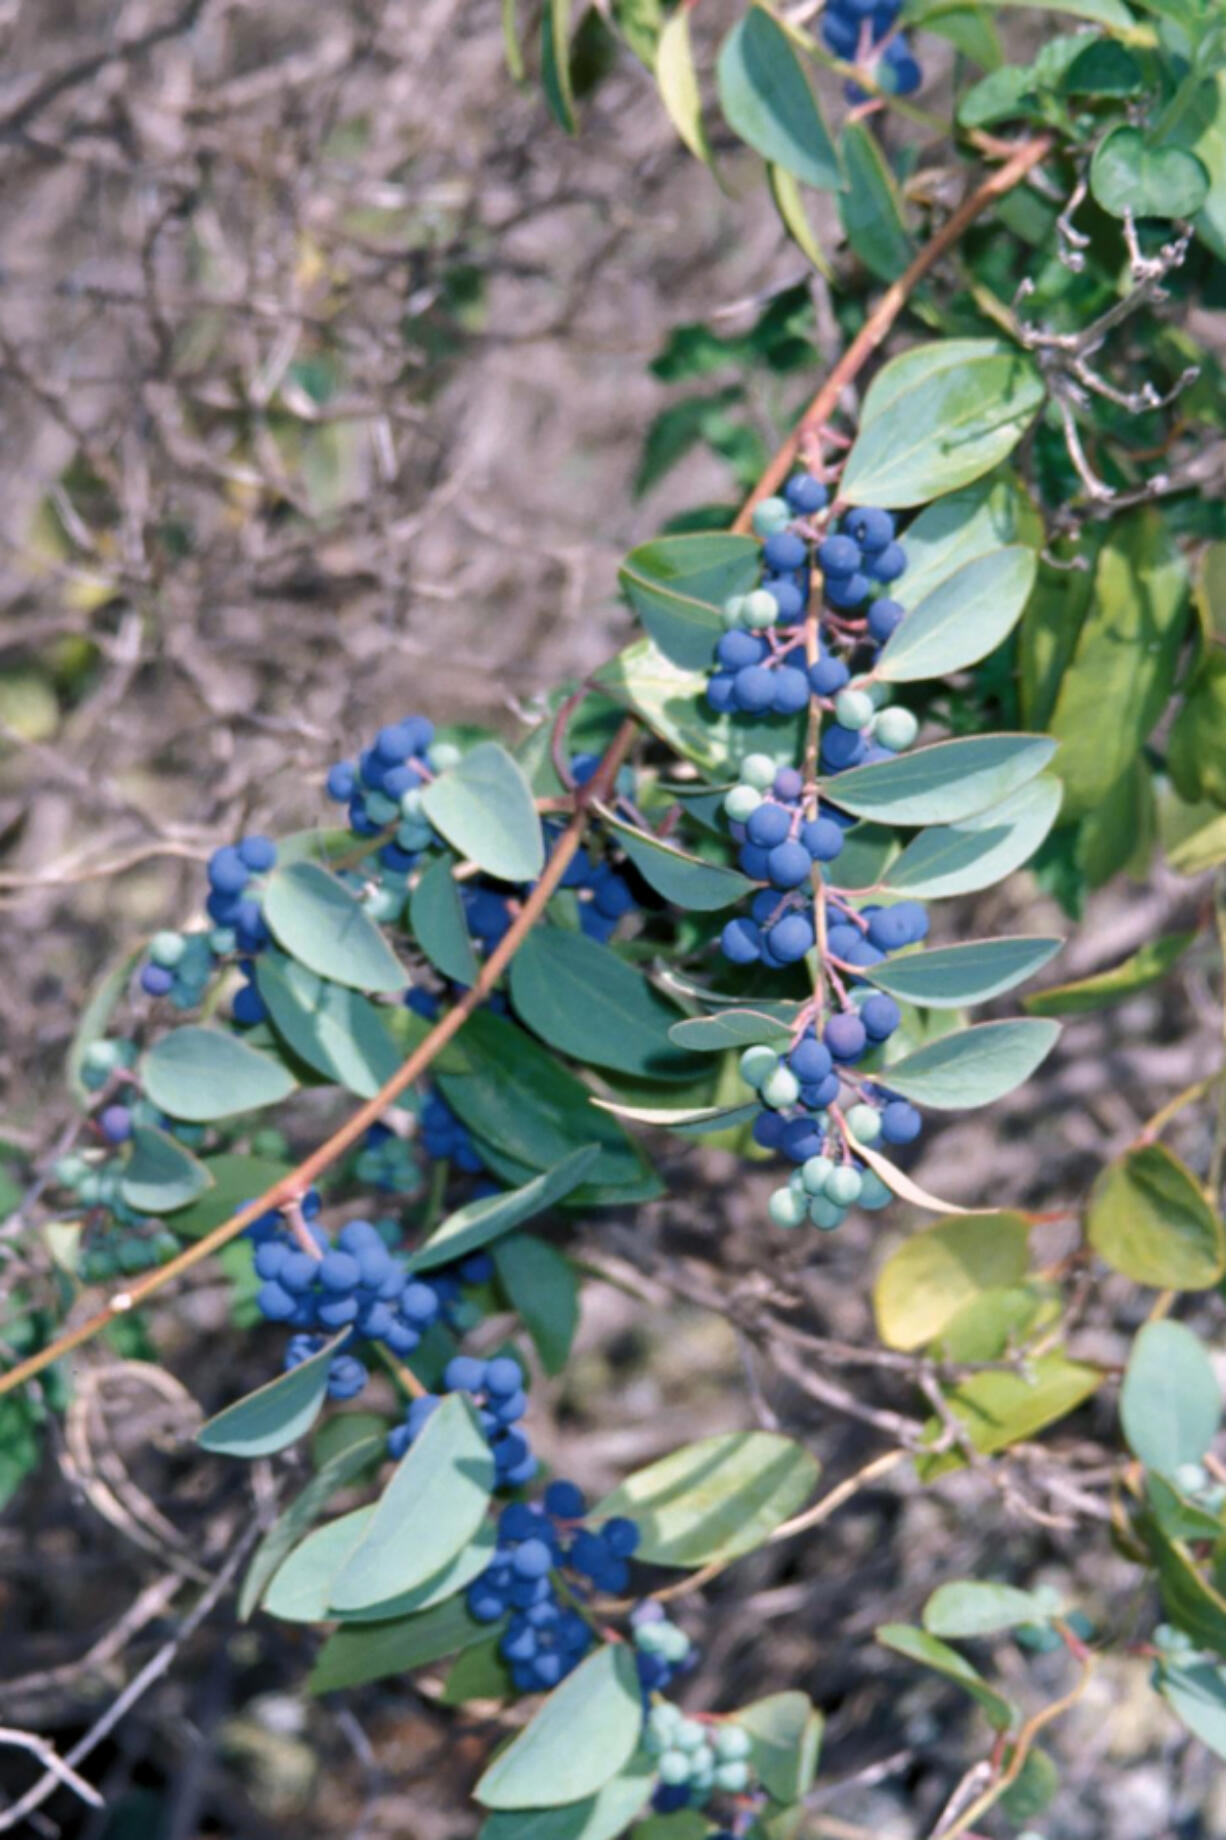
[123,1247]
[180,965]
[862,32]
[696,1756]
[387,1161]
[445,1138]
[382,790]
[497,1390]
[662,1648]
[538,1544]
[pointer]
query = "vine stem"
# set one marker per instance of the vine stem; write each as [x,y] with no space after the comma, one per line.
[294,1186]
[876,327]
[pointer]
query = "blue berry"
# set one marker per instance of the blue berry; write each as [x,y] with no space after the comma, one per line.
[883,617]
[845,1036]
[822,838]
[258,853]
[871,528]
[805,494]
[754,689]
[839,559]
[741,942]
[768,825]
[900,1122]
[828,675]
[785,550]
[738,649]
[880,1016]
[790,938]
[789,865]
[809,1060]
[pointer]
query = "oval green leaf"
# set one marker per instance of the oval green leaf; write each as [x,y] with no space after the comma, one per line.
[974,1067]
[335,1030]
[318,921]
[950,976]
[971,1607]
[485,810]
[963,858]
[934,1274]
[962,620]
[160,1175]
[687,881]
[677,586]
[715,1499]
[1149,1220]
[677,82]
[199,1074]
[1148,965]
[767,101]
[943,784]
[1128,176]
[436,915]
[930,1652]
[373,1651]
[274,1415]
[430,1510]
[289,1528]
[785,1730]
[478,1223]
[584,1000]
[597,1817]
[585,1733]
[1170,1402]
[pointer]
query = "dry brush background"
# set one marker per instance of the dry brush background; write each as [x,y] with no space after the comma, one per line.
[323,377]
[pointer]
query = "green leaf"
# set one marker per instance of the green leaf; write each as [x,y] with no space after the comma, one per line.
[785,1730]
[274,1415]
[1111,13]
[1190,1601]
[677,586]
[687,881]
[1196,1694]
[436,915]
[767,101]
[974,1067]
[789,202]
[318,921]
[1149,1220]
[918,1645]
[677,82]
[517,1099]
[950,976]
[962,620]
[1148,965]
[1123,669]
[97,1013]
[234,1179]
[962,527]
[585,1734]
[428,1513]
[301,1515]
[937,418]
[689,1120]
[478,1672]
[999,1409]
[301,1592]
[1051,625]
[969,1607]
[199,1074]
[870,207]
[597,1817]
[542,1289]
[584,1000]
[372,1651]
[1128,174]
[1170,1402]
[933,1275]
[673,704]
[715,1499]
[479,1222]
[160,1175]
[335,1030]
[1193,836]
[555,64]
[981,850]
[1210,149]
[485,810]
[943,784]
[732,1028]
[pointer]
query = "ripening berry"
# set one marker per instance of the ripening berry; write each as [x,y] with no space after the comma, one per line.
[853,709]
[845,1036]
[732,612]
[771,515]
[815,1173]
[864,1123]
[758,770]
[780,1088]
[760,609]
[843,1186]
[741,802]
[787,1209]
[895,728]
[873,1192]
[788,784]
[757,1063]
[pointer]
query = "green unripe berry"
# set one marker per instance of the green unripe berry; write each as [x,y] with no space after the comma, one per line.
[815,1173]
[878,693]
[732,1777]
[383,904]
[166,949]
[824,1213]
[771,515]
[844,1186]
[853,709]
[758,770]
[443,755]
[223,940]
[702,1766]
[895,728]
[70,1171]
[760,610]
[413,835]
[269,1143]
[648,1638]
[741,803]
[1191,1478]
[675,1645]
[689,1735]
[410,803]
[380,809]
[102,1056]
[787,1209]
[731,1744]
[864,1122]
[780,1089]
[733,612]
[757,1064]
[873,1192]
[674,1768]
[89,1188]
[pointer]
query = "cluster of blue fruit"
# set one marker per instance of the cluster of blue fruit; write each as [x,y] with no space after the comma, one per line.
[382,789]
[496,1388]
[862,32]
[603,895]
[538,1543]
[180,965]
